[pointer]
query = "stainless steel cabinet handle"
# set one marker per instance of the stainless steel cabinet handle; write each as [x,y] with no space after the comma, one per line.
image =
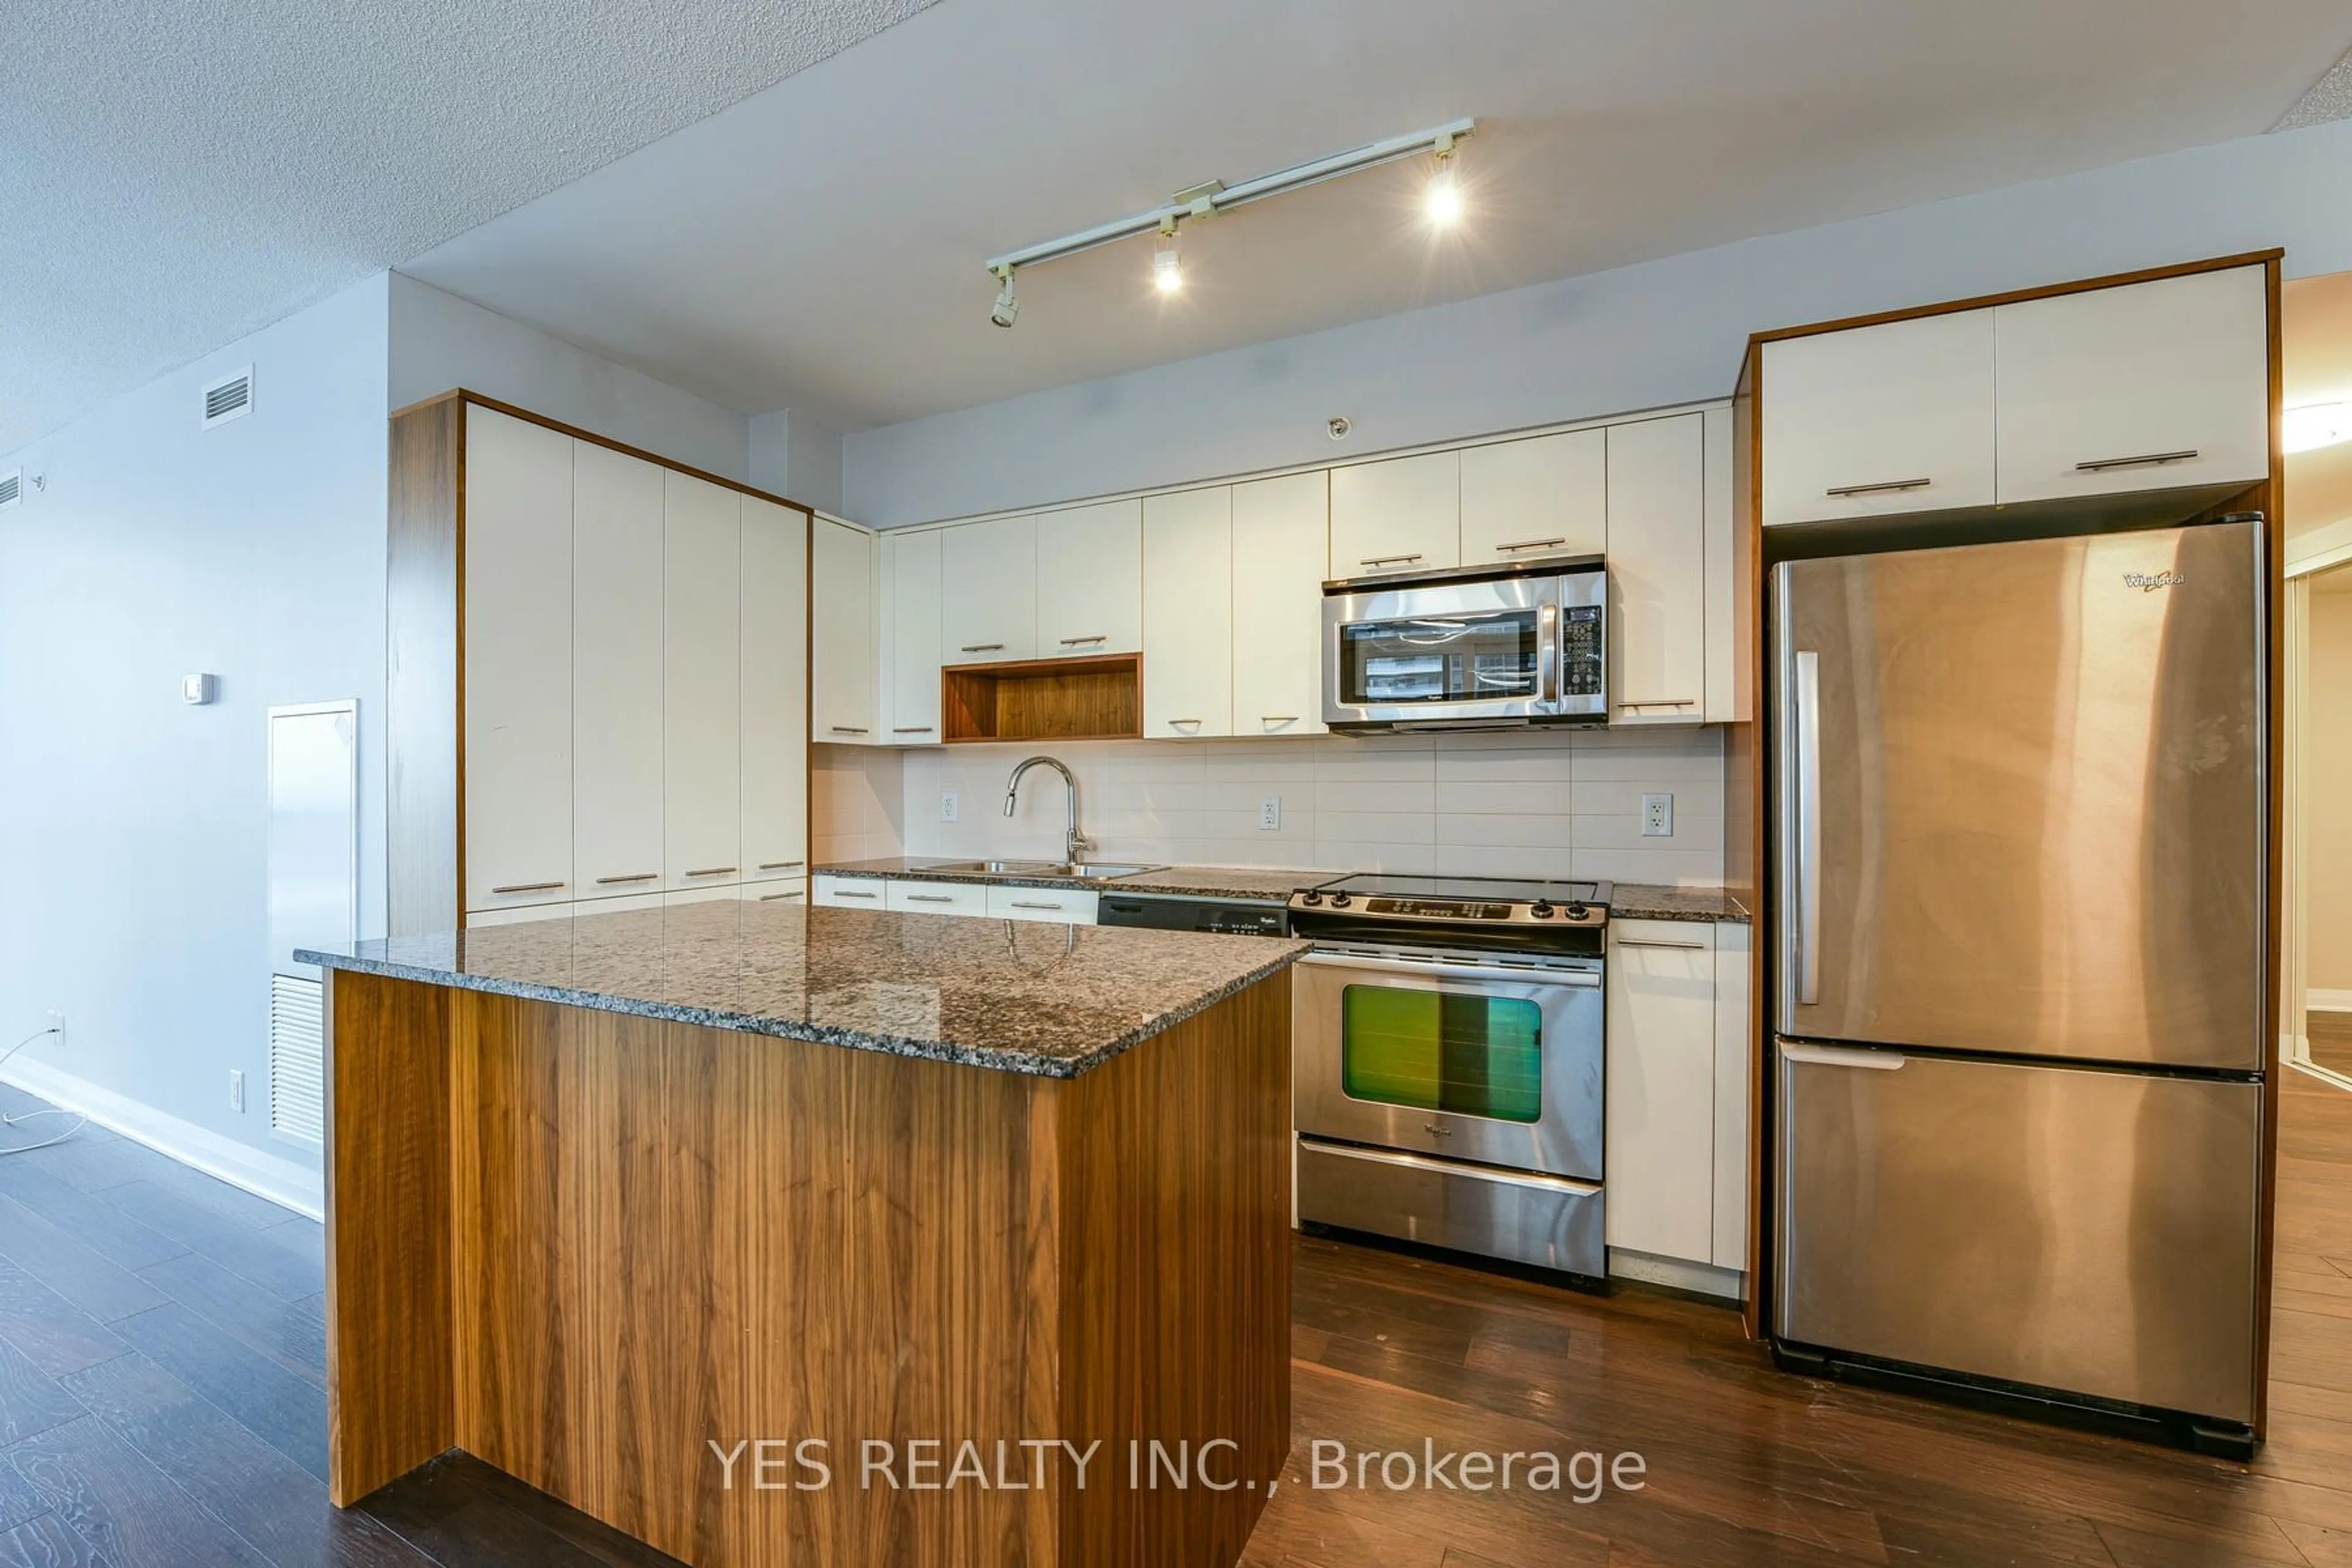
[1883,487]
[984,647]
[1081,642]
[931,898]
[712,871]
[1277,717]
[1534,543]
[640,877]
[845,893]
[1809,827]
[847,730]
[528,888]
[2145,460]
[1663,703]
[1026,904]
[911,730]
[780,864]
[1389,560]
[1841,1056]
[1194,723]
[1648,941]
[773,897]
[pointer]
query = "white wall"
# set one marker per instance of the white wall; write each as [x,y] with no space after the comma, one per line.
[439,341]
[2328,817]
[1663,333]
[796,455]
[134,827]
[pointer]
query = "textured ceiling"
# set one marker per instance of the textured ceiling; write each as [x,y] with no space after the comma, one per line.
[179,174]
[847,281]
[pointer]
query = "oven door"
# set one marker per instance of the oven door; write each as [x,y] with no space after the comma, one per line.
[1496,1063]
[1516,649]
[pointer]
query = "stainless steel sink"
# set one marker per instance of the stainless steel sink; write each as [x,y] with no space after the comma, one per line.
[1091,872]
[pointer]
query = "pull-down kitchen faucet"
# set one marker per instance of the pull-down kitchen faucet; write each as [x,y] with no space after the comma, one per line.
[1075,841]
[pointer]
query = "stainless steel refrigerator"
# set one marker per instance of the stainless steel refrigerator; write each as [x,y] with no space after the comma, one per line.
[2021,893]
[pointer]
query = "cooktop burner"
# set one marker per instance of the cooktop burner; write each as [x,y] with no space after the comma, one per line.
[1454,900]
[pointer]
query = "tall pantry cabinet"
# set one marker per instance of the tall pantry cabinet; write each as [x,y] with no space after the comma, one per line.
[599,675]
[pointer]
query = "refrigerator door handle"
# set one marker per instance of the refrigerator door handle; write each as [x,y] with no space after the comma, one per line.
[1807,805]
[1841,1056]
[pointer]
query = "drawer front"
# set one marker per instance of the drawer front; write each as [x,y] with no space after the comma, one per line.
[790,890]
[1544,1221]
[937,898]
[1072,906]
[852,893]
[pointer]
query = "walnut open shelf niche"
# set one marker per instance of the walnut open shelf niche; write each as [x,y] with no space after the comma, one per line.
[1097,698]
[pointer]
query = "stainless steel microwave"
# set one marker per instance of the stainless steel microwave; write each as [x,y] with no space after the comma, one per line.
[1475,648]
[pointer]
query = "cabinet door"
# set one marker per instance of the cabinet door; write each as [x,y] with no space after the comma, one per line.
[1726,699]
[1090,580]
[775,735]
[1545,496]
[1661,1121]
[1657,576]
[910,632]
[1875,420]
[2140,388]
[988,602]
[518,690]
[778,890]
[1188,612]
[1069,907]
[1733,1053]
[850,892]
[1281,531]
[702,754]
[937,898]
[843,687]
[1402,515]
[616,672]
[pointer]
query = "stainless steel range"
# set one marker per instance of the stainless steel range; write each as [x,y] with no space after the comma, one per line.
[1449,1045]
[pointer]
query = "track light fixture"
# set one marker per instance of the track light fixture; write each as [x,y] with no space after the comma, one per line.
[1444,205]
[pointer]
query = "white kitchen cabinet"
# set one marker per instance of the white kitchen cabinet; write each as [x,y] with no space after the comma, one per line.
[1090,580]
[845,682]
[774,720]
[517,676]
[911,637]
[935,898]
[1401,515]
[702,568]
[1281,539]
[729,895]
[1726,699]
[1732,1054]
[2141,387]
[1547,495]
[849,892]
[1661,1140]
[1877,420]
[1065,905]
[1188,612]
[782,891]
[988,608]
[1657,554]
[616,672]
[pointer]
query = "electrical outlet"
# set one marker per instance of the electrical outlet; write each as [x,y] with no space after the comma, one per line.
[1269,815]
[949,806]
[236,1088]
[1657,817]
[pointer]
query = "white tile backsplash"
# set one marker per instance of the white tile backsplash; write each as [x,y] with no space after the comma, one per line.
[1561,803]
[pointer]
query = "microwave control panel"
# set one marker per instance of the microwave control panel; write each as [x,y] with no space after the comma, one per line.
[1582,655]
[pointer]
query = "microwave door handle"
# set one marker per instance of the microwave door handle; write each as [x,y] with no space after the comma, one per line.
[1807,722]
[1548,658]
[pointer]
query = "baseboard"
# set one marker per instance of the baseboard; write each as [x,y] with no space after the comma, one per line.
[2317,1001]
[2332,1079]
[1700,1278]
[289,1183]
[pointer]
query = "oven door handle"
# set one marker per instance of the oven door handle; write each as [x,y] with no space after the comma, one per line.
[1441,970]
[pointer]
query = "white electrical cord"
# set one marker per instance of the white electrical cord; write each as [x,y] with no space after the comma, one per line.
[81,1121]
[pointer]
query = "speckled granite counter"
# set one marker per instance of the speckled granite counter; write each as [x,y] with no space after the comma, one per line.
[1199,882]
[1655,902]
[1046,1000]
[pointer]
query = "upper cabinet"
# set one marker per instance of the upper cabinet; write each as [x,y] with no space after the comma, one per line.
[987,607]
[702,737]
[1281,540]
[1890,418]
[616,677]
[844,684]
[1547,495]
[1090,580]
[1657,570]
[775,637]
[911,637]
[1188,612]
[2143,386]
[1401,515]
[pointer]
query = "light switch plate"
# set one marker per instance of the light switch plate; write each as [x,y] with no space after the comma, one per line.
[236,1088]
[949,806]
[1269,815]
[1657,817]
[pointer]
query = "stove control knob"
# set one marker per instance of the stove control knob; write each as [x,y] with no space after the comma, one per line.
[1310,898]
[1577,911]
[1340,900]
[1541,908]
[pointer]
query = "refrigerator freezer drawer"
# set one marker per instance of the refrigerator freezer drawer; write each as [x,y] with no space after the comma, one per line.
[2086,1231]
[1545,1221]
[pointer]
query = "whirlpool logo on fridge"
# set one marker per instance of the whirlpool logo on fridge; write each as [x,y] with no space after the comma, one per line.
[2149,581]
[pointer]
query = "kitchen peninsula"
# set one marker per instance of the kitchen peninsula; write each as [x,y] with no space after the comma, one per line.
[610,1196]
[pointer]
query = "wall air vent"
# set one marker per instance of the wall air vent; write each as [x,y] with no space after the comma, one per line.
[12,486]
[297,1052]
[230,397]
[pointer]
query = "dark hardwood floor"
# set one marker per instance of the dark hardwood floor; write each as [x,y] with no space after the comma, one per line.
[2331,1040]
[162,1351]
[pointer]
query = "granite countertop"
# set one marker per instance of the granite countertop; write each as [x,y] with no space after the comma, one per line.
[1034,997]
[1199,882]
[1656,901]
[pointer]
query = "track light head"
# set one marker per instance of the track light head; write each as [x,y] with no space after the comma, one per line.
[1442,200]
[1167,268]
[1007,306]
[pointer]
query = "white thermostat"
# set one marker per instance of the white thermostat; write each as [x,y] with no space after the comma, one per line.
[199,689]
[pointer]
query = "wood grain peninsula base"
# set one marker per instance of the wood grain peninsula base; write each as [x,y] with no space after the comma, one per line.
[587,1246]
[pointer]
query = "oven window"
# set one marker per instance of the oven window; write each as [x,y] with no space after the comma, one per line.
[1439,659]
[1430,1050]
